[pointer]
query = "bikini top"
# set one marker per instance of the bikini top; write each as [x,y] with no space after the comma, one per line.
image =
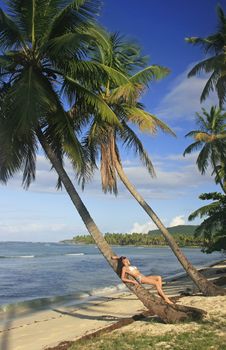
[132,268]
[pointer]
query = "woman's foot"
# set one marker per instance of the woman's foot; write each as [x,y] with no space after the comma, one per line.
[168,301]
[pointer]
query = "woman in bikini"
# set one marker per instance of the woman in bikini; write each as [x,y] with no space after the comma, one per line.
[133,271]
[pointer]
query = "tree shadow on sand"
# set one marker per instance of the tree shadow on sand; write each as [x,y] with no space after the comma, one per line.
[88,317]
[5,332]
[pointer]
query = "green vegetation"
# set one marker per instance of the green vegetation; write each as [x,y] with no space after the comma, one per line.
[210,335]
[102,139]
[54,53]
[210,138]
[214,48]
[182,234]
[213,228]
[47,59]
[183,229]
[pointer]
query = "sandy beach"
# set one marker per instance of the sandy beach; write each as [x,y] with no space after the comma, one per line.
[48,328]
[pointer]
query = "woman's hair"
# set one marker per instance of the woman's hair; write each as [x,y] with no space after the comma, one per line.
[120,265]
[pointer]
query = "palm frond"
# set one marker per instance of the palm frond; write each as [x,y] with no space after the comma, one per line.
[131,140]
[29,163]
[207,66]
[210,85]
[78,14]
[148,74]
[99,36]
[27,97]
[221,89]
[127,93]
[32,17]
[203,211]
[10,35]
[193,133]
[146,121]
[73,88]
[17,153]
[221,15]
[193,147]
[160,124]
[68,44]
[116,76]
[203,158]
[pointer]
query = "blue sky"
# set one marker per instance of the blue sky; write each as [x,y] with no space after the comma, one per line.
[43,214]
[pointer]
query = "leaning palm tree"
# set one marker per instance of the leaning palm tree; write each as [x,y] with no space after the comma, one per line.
[210,139]
[215,65]
[42,45]
[102,138]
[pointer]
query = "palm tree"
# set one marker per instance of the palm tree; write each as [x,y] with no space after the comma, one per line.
[210,139]
[43,43]
[213,228]
[103,137]
[215,45]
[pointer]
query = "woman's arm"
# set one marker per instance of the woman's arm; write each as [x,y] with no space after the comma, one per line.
[115,257]
[124,279]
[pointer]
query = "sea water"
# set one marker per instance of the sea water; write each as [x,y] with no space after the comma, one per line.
[48,272]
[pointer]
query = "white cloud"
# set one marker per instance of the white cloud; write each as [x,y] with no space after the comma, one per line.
[178,220]
[32,227]
[184,98]
[149,226]
[142,228]
[29,229]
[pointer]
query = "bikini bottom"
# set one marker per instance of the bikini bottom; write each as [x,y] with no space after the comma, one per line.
[138,278]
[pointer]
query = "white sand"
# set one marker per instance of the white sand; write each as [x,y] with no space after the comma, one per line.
[215,307]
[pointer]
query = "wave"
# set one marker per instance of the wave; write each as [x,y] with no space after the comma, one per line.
[38,256]
[107,290]
[16,256]
[74,254]
[29,306]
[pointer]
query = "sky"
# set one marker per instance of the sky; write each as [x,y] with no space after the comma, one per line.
[44,214]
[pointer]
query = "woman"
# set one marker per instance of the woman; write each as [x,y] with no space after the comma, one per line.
[133,271]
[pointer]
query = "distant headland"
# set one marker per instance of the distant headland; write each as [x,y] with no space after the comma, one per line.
[183,234]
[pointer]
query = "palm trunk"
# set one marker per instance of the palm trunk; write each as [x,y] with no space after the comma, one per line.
[168,313]
[205,286]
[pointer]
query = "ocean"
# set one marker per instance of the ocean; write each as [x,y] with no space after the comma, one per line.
[44,273]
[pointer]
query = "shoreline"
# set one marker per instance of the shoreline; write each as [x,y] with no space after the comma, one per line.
[71,322]
[132,245]
[32,306]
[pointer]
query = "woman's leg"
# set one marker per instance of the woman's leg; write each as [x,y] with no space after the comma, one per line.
[157,282]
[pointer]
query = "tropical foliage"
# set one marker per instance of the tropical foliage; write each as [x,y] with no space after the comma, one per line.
[141,239]
[122,56]
[213,228]
[44,47]
[45,59]
[102,138]
[210,139]
[214,46]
